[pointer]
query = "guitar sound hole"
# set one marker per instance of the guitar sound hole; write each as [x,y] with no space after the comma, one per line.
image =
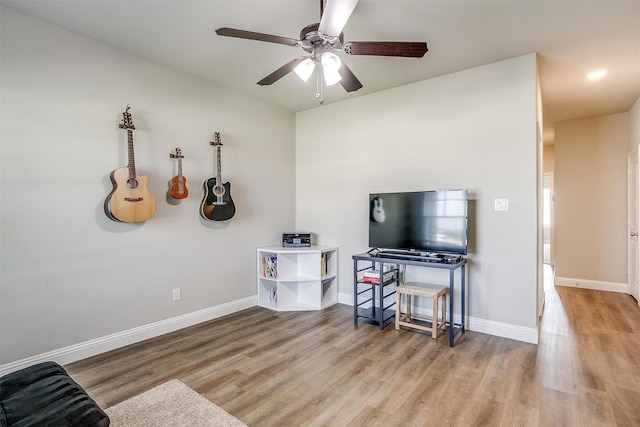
[132,183]
[219,191]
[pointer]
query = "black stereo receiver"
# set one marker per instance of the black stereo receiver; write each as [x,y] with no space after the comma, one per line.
[296,240]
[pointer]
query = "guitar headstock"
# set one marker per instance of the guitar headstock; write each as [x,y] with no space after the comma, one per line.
[216,139]
[127,123]
[177,154]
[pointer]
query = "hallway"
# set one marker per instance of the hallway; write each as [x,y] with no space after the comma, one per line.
[589,355]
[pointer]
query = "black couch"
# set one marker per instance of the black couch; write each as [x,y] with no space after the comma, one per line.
[45,395]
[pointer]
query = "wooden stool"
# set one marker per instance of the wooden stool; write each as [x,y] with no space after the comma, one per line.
[424,290]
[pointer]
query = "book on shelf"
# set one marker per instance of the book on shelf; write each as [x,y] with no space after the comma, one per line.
[273,294]
[269,266]
[373,276]
[323,264]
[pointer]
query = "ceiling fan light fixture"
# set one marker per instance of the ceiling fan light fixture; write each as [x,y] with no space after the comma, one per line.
[331,64]
[305,69]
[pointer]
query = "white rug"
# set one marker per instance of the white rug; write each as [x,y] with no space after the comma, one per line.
[170,404]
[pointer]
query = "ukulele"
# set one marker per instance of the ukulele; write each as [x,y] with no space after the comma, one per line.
[178,188]
[129,201]
[217,204]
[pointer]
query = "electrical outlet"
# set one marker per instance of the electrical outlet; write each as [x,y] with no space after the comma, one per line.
[501,205]
[176,294]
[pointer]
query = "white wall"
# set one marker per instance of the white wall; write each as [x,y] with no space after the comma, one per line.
[70,275]
[549,158]
[540,199]
[634,126]
[591,202]
[474,129]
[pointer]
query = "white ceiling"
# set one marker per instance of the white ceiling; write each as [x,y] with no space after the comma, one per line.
[572,38]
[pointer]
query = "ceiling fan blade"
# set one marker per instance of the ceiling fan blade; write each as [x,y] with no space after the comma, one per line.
[349,81]
[406,49]
[335,16]
[242,34]
[281,72]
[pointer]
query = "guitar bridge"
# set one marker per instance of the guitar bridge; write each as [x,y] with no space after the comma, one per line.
[133,199]
[219,203]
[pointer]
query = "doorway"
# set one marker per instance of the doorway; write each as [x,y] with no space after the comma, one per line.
[548,279]
[633,216]
[547,219]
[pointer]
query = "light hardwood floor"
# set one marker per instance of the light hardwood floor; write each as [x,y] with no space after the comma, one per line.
[318,369]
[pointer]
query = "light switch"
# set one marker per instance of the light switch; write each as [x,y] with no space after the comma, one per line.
[501,205]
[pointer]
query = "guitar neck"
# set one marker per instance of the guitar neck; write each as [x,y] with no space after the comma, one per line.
[219,165]
[180,167]
[132,160]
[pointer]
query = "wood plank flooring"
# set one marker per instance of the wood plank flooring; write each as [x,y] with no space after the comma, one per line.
[318,369]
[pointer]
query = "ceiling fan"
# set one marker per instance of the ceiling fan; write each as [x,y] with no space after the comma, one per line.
[320,40]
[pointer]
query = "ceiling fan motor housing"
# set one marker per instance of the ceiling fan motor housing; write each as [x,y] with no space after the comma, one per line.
[311,39]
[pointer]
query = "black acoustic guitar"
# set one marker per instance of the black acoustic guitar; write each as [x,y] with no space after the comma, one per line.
[217,204]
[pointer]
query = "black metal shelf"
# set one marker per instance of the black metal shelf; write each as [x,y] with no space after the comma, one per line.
[378,307]
[372,315]
[378,311]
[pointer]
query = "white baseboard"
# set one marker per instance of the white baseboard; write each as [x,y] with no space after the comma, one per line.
[346,299]
[96,346]
[592,284]
[504,330]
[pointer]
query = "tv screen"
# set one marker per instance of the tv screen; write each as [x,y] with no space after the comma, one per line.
[426,221]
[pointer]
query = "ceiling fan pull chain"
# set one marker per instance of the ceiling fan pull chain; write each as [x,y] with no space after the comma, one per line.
[319,84]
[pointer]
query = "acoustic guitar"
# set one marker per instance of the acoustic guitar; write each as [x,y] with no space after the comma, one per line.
[178,188]
[377,210]
[129,201]
[217,204]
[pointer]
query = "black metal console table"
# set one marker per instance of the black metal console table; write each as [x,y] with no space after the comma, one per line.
[380,310]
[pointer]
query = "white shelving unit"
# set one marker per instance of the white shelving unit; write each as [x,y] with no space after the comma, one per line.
[296,279]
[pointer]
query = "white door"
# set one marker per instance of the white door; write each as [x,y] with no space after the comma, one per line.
[547,219]
[634,199]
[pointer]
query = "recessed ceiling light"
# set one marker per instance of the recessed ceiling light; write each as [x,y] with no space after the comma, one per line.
[595,75]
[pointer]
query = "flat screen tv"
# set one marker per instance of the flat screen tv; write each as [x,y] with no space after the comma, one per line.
[424,221]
